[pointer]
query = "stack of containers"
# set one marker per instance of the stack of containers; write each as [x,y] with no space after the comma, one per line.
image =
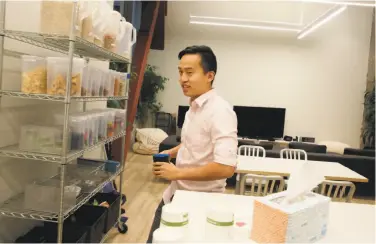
[89,128]
[48,76]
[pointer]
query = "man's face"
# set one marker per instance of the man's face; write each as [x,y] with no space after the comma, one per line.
[192,77]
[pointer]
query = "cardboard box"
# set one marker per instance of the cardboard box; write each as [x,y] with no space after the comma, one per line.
[303,221]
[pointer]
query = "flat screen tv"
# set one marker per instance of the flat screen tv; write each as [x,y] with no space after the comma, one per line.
[181,115]
[260,122]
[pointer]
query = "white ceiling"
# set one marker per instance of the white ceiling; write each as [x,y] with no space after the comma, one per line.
[294,12]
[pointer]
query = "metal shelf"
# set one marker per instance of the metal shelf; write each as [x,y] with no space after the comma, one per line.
[14,152]
[60,43]
[15,208]
[57,98]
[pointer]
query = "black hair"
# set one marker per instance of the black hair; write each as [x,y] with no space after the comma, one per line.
[208,59]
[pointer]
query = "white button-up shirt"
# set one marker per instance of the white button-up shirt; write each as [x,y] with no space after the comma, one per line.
[209,134]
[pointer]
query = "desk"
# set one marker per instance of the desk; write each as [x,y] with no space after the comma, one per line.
[348,222]
[284,167]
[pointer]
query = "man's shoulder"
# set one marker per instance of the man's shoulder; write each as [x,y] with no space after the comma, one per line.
[221,106]
[222,103]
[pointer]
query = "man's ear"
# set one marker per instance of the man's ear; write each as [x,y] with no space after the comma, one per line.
[211,76]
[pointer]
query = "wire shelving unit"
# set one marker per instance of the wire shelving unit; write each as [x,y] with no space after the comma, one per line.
[72,46]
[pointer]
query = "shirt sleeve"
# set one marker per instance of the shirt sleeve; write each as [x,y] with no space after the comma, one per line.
[224,136]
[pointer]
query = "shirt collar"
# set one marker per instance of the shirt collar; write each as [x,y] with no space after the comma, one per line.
[203,98]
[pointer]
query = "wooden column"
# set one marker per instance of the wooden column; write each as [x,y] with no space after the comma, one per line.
[144,39]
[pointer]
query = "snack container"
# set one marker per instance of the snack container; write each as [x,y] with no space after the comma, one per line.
[101,82]
[57,69]
[116,81]
[102,126]
[77,132]
[110,123]
[119,120]
[90,126]
[111,84]
[123,84]
[95,124]
[86,130]
[106,84]
[95,81]
[302,221]
[34,74]
[86,84]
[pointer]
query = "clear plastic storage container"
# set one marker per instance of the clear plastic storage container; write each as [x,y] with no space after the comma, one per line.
[44,139]
[110,123]
[34,75]
[116,84]
[102,127]
[95,81]
[119,120]
[77,132]
[123,83]
[56,18]
[86,84]
[106,84]
[57,69]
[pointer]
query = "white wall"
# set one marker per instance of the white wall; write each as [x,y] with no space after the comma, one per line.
[16,173]
[320,81]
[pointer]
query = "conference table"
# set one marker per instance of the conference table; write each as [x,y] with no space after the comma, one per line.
[284,167]
[347,223]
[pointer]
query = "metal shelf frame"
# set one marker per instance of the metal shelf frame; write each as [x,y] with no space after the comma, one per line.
[57,98]
[72,46]
[14,152]
[8,208]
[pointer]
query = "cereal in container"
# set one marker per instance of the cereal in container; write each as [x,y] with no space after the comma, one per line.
[95,119]
[100,82]
[111,84]
[119,120]
[85,87]
[110,123]
[123,83]
[77,129]
[102,127]
[95,81]
[57,69]
[107,84]
[116,81]
[112,28]
[34,75]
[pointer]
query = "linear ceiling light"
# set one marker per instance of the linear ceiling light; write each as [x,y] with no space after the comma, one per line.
[349,3]
[327,16]
[243,23]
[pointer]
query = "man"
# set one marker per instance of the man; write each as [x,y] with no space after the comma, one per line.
[208,149]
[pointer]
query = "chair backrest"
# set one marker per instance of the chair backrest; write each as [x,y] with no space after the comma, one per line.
[342,191]
[266,184]
[251,151]
[296,154]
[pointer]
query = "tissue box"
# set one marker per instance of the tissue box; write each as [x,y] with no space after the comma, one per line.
[303,221]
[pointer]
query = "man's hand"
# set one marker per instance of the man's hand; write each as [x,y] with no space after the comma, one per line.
[166,152]
[167,171]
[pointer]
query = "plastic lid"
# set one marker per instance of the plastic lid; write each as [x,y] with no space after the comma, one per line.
[161,155]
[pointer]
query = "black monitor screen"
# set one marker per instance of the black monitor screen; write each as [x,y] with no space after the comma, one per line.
[260,122]
[181,115]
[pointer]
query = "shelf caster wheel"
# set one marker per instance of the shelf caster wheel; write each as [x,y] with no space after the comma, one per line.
[122,211]
[122,228]
[123,199]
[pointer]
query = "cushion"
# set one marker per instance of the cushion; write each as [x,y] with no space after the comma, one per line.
[140,148]
[150,136]
[334,146]
[308,147]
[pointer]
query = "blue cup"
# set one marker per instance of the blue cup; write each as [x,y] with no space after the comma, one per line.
[161,158]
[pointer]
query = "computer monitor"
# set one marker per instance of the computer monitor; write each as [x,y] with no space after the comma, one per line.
[181,115]
[260,122]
